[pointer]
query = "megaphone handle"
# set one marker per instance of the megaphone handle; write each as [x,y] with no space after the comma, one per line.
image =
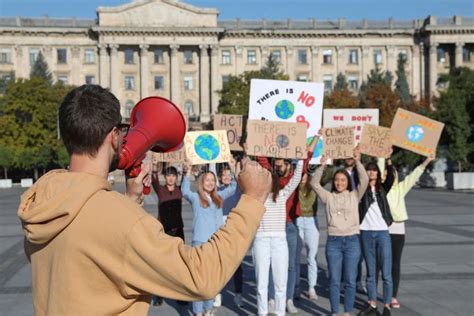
[133,173]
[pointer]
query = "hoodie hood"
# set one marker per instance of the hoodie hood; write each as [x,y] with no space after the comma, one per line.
[54,201]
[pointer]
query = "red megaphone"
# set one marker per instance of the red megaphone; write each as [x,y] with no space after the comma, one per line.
[155,124]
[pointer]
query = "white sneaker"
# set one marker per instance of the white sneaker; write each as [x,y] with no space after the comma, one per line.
[238,300]
[271,306]
[217,301]
[290,307]
[312,294]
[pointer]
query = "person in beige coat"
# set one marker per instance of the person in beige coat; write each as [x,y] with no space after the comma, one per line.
[94,251]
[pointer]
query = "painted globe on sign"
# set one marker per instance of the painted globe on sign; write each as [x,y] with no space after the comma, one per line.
[284,109]
[415,133]
[282,141]
[207,147]
[318,150]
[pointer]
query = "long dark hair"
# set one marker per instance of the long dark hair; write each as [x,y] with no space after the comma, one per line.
[306,187]
[348,177]
[275,186]
[378,183]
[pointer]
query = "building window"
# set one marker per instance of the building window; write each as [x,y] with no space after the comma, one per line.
[302,57]
[276,56]
[188,56]
[441,55]
[62,56]
[466,55]
[188,107]
[327,79]
[225,78]
[62,79]
[90,79]
[34,52]
[89,56]
[128,108]
[353,56]
[6,78]
[302,78]
[226,57]
[159,82]
[158,56]
[5,56]
[353,82]
[377,56]
[129,83]
[327,56]
[188,83]
[128,55]
[251,57]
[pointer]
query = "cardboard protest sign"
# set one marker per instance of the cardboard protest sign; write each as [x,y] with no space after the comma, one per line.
[338,142]
[233,125]
[177,156]
[415,132]
[288,101]
[276,139]
[351,117]
[205,147]
[376,141]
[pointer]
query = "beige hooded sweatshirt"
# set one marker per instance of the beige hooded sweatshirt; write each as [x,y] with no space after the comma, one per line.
[94,251]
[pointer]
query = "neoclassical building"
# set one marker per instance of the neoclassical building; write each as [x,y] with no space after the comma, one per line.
[184,53]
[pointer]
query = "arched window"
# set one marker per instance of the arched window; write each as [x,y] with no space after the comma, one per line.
[128,108]
[188,108]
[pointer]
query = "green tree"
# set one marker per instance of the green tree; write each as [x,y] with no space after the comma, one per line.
[401,85]
[6,159]
[454,107]
[341,82]
[236,91]
[40,69]
[28,112]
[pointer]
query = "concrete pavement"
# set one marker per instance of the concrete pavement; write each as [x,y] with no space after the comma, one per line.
[437,263]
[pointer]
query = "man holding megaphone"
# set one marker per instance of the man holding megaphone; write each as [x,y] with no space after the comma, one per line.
[94,251]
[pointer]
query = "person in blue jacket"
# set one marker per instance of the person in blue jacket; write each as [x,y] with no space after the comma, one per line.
[207,205]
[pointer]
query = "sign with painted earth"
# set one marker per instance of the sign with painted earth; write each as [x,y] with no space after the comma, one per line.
[415,132]
[288,101]
[207,147]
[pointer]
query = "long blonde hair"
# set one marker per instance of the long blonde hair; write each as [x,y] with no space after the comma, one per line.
[216,199]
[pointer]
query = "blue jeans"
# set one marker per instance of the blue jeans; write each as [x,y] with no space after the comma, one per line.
[377,249]
[201,306]
[292,239]
[343,254]
[309,237]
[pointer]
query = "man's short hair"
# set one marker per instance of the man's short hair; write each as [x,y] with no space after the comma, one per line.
[86,115]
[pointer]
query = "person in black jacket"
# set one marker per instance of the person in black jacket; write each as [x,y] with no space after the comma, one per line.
[375,218]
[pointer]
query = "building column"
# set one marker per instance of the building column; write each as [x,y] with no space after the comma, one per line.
[47,52]
[391,59]
[76,66]
[175,81]
[264,52]
[144,71]
[103,66]
[415,71]
[239,62]
[433,71]
[340,60]
[204,83]
[216,83]
[315,65]
[422,71]
[365,64]
[458,55]
[20,65]
[290,62]
[114,73]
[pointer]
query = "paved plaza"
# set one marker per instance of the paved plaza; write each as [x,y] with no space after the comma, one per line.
[437,264]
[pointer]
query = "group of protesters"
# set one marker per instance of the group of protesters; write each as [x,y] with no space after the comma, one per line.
[365,211]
